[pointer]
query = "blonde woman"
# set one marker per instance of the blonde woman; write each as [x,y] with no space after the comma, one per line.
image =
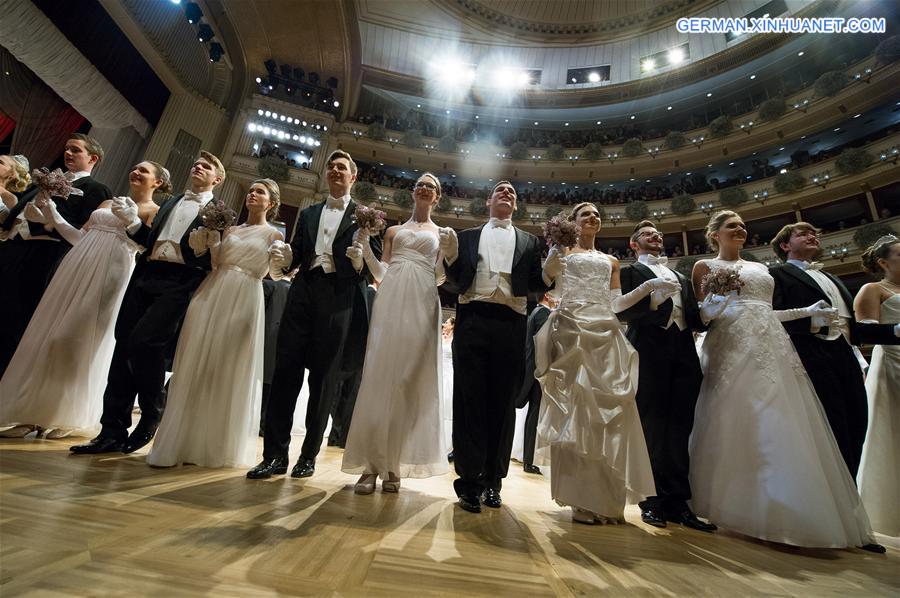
[764,462]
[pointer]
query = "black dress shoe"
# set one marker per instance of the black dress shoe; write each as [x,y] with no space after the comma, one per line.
[876,548]
[267,468]
[304,468]
[137,441]
[532,469]
[688,519]
[470,503]
[654,518]
[450,456]
[100,444]
[491,498]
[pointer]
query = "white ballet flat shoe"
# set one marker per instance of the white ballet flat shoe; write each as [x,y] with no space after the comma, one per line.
[57,433]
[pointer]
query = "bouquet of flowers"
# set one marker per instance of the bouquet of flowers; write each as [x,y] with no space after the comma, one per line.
[370,219]
[216,216]
[722,281]
[54,184]
[561,231]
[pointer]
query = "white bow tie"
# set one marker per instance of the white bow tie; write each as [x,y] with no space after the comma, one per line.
[335,203]
[191,196]
[653,260]
[814,266]
[496,222]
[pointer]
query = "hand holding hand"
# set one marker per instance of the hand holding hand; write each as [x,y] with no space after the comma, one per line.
[660,296]
[822,315]
[32,213]
[713,306]
[280,256]
[126,211]
[42,199]
[554,265]
[198,241]
[355,253]
[449,244]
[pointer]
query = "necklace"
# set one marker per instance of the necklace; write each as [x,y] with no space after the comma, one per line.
[891,286]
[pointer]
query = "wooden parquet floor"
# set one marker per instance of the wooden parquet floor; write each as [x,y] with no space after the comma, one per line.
[112,526]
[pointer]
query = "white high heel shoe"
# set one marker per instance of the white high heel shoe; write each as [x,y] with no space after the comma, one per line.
[20,431]
[366,484]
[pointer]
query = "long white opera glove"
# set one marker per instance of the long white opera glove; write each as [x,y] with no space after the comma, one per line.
[714,306]
[622,302]
[449,244]
[376,267]
[280,258]
[820,311]
[66,230]
[554,265]
[126,211]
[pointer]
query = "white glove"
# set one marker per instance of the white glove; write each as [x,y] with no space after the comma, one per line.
[897,330]
[66,230]
[361,236]
[355,253]
[449,244]
[198,241]
[554,265]
[714,306]
[126,211]
[33,213]
[659,297]
[822,315]
[280,257]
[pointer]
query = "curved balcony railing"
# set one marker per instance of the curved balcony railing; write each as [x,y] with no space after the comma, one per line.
[823,185]
[869,84]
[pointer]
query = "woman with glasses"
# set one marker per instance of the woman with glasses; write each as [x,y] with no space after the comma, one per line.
[396,429]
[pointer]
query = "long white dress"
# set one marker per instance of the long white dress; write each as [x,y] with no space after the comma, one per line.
[589,422]
[396,425]
[763,459]
[57,376]
[879,470]
[212,413]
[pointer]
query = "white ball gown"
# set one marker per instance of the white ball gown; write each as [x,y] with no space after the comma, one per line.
[58,374]
[447,392]
[589,422]
[879,470]
[397,425]
[763,459]
[212,412]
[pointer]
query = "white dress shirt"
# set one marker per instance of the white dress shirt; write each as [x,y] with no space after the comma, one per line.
[168,244]
[834,296]
[493,273]
[662,271]
[329,221]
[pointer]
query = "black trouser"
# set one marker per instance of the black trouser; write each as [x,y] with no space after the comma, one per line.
[531,421]
[315,327]
[668,384]
[149,320]
[487,357]
[26,268]
[838,380]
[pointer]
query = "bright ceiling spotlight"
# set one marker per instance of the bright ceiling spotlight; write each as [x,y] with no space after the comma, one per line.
[524,78]
[648,64]
[594,77]
[336,104]
[676,56]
